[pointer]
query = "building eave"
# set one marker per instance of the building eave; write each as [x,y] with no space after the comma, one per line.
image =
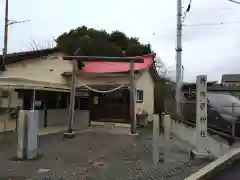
[20,56]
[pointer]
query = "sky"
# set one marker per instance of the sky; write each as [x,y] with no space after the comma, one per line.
[208,49]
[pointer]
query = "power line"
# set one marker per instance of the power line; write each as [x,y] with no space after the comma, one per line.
[7,23]
[212,24]
[237,2]
[11,22]
[187,11]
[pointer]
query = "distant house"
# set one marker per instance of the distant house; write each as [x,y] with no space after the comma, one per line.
[189,89]
[41,80]
[230,80]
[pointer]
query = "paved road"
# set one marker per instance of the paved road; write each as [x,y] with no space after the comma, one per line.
[98,156]
[232,172]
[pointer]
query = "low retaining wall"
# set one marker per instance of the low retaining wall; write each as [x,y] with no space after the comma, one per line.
[60,117]
[216,166]
[216,146]
[81,119]
[109,124]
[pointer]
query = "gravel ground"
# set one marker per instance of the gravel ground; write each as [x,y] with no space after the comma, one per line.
[97,156]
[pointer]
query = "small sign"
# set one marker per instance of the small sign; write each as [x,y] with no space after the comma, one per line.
[95,100]
[37,103]
[82,93]
[201,119]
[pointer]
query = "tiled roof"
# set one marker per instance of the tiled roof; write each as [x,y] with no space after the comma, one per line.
[115,67]
[15,57]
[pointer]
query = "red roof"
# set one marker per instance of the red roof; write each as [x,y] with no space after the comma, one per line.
[111,67]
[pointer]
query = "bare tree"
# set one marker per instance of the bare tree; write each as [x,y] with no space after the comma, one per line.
[36,46]
[162,69]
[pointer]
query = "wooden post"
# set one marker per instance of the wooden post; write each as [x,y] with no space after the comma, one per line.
[167,136]
[132,99]
[33,100]
[72,100]
[45,114]
[70,133]
[155,141]
[162,121]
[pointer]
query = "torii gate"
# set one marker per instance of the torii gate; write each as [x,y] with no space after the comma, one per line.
[132,60]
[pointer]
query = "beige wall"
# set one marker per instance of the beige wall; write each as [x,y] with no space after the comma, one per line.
[145,83]
[44,69]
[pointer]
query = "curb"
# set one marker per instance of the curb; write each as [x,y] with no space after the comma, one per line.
[215,166]
[124,125]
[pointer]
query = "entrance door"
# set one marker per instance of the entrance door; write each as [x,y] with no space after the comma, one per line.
[115,104]
[111,106]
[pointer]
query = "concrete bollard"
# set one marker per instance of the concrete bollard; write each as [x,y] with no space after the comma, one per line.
[21,134]
[167,136]
[27,135]
[32,136]
[155,141]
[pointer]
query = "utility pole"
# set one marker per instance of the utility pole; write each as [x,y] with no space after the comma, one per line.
[5,29]
[132,98]
[2,64]
[3,68]
[179,57]
[182,74]
[7,23]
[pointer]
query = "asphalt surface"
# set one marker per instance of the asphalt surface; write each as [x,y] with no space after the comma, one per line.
[96,156]
[231,172]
